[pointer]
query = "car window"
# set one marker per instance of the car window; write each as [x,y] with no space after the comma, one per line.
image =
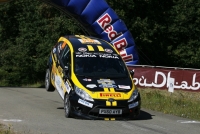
[66,57]
[100,65]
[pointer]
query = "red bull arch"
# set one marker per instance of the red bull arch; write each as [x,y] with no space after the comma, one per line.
[101,20]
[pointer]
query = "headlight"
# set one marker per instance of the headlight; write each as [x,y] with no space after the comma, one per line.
[134,95]
[83,94]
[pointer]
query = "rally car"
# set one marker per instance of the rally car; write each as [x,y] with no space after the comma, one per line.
[92,79]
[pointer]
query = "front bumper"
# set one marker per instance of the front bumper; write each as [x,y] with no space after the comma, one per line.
[90,110]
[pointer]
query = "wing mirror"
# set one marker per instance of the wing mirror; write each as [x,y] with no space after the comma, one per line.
[132,73]
[66,71]
[66,68]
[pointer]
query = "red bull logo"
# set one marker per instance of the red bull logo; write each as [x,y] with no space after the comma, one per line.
[105,23]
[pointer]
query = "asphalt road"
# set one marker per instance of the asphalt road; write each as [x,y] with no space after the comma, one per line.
[35,111]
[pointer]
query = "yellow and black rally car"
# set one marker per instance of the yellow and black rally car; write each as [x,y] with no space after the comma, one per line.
[92,79]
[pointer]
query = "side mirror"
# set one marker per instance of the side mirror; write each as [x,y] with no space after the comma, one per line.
[132,73]
[66,68]
[66,71]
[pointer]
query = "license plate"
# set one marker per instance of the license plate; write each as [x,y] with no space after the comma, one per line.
[110,111]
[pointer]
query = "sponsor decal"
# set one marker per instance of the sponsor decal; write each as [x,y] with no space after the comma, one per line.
[124,87]
[60,70]
[135,104]
[91,85]
[107,86]
[82,49]
[86,55]
[106,83]
[108,50]
[114,95]
[54,50]
[59,48]
[78,52]
[58,83]
[108,56]
[85,103]
[87,79]
[67,87]
[89,41]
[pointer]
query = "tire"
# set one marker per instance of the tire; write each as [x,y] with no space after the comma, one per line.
[67,106]
[48,86]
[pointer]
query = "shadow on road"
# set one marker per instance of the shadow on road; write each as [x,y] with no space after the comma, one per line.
[60,107]
[145,115]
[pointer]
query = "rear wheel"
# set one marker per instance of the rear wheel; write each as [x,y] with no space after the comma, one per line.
[67,106]
[48,86]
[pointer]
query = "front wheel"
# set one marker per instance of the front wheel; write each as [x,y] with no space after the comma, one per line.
[48,86]
[67,106]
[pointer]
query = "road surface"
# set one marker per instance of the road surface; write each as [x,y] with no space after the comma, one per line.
[36,111]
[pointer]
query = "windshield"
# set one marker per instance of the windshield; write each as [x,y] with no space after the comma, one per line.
[104,65]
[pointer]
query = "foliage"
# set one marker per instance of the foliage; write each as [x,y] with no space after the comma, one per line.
[166,33]
[29,29]
[184,32]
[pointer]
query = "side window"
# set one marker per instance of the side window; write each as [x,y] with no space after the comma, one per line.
[66,56]
[60,47]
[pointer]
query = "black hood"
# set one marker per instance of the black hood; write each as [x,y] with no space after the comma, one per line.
[96,84]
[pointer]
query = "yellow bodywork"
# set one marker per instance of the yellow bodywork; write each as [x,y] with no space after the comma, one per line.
[104,95]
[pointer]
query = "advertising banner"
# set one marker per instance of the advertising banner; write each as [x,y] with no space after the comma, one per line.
[160,77]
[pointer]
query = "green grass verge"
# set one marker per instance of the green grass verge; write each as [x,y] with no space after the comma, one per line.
[35,85]
[180,103]
[5,129]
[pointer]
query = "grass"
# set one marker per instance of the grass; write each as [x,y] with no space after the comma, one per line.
[35,85]
[180,103]
[5,129]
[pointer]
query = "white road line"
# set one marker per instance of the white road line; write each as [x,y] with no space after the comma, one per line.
[186,121]
[12,120]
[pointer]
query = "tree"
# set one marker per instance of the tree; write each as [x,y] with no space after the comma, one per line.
[184,31]
[37,27]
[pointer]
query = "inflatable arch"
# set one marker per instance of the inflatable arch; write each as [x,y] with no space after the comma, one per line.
[100,20]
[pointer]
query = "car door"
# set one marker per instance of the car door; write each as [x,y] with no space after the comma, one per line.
[66,65]
[62,51]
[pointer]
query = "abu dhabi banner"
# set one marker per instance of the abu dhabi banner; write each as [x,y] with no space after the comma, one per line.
[159,77]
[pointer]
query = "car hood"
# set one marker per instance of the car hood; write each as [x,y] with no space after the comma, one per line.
[97,84]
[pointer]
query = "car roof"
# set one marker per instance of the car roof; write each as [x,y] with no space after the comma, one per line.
[89,43]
